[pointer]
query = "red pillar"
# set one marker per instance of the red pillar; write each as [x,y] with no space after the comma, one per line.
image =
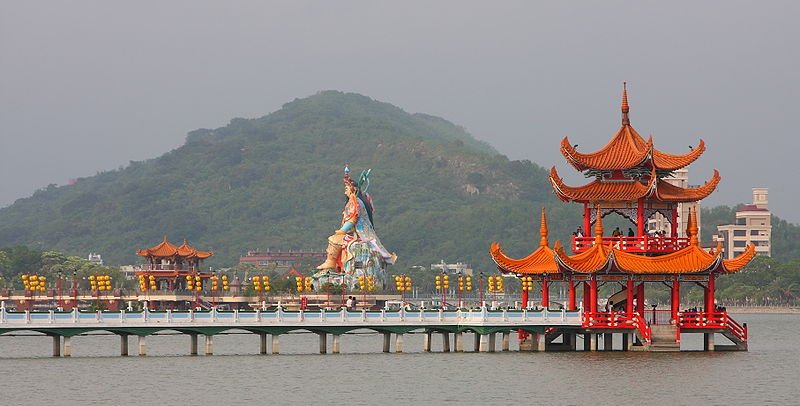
[587,220]
[710,293]
[674,232]
[640,299]
[586,296]
[571,295]
[676,298]
[593,294]
[629,299]
[524,298]
[545,293]
[640,217]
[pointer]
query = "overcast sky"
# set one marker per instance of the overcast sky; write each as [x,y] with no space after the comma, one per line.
[87,86]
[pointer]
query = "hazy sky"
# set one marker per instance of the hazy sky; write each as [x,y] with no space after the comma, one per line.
[89,86]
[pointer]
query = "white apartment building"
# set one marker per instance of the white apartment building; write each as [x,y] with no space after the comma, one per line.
[753,225]
[658,223]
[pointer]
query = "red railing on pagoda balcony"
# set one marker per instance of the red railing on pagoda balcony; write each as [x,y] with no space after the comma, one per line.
[643,244]
[617,320]
[713,320]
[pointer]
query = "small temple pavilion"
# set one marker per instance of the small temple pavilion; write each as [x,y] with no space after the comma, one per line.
[628,179]
[168,266]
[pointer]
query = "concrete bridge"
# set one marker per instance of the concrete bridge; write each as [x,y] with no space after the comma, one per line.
[485,324]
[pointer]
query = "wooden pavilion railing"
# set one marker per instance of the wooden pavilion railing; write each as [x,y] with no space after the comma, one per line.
[713,320]
[617,320]
[643,244]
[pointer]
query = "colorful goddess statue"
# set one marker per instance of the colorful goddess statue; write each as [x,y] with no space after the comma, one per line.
[354,249]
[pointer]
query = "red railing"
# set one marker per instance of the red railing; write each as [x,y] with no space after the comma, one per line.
[617,320]
[714,320]
[645,243]
[643,327]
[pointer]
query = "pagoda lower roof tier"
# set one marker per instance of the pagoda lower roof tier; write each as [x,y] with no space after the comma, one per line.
[602,258]
[653,188]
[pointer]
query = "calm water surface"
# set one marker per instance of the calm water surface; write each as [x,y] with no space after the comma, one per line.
[363,375]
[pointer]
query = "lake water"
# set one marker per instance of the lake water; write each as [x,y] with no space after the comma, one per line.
[363,375]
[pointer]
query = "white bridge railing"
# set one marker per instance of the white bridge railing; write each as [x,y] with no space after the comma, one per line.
[279,317]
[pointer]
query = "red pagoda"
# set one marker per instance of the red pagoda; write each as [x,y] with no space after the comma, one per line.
[629,180]
[170,267]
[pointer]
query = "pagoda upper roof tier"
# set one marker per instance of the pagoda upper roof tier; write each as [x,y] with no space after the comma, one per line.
[165,249]
[613,190]
[604,258]
[627,149]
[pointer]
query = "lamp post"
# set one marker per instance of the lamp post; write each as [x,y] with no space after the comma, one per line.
[443,283]
[481,287]
[59,287]
[75,287]
[464,284]
[403,284]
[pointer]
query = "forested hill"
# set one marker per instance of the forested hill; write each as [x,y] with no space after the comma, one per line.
[275,182]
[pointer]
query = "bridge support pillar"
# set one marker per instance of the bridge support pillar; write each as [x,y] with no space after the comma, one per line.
[426,341]
[387,339]
[539,342]
[477,342]
[592,341]
[484,346]
[193,344]
[459,338]
[276,344]
[573,341]
[123,345]
[323,343]
[708,341]
[209,344]
[142,346]
[492,342]
[445,342]
[625,341]
[608,342]
[336,338]
[262,349]
[587,346]
[506,340]
[56,346]
[67,352]
[398,343]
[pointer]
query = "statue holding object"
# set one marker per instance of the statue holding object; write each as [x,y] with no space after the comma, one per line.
[354,249]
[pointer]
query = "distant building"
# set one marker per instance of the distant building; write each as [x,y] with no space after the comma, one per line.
[95,258]
[281,259]
[753,225]
[456,268]
[659,223]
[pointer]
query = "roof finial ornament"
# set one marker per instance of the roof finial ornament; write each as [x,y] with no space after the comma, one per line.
[625,107]
[543,230]
[691,227]
[598,226]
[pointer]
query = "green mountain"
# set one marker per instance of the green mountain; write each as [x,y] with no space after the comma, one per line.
[275,182]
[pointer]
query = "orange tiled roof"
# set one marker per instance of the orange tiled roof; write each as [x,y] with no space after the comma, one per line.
[670,193]
[736,264]
[662,190]
[669,162]
[540,261]
[627,149]
[166,249]
[600,257]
